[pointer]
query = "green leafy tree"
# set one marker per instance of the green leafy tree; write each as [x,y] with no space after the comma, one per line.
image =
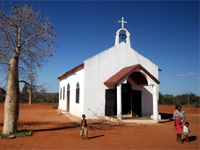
[168,99]
[55,98]
[183,99]
[161,98]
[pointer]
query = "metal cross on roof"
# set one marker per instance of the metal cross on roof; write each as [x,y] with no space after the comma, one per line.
[123,22]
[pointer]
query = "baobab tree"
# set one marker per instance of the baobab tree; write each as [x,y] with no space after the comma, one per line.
[31,85]
[26,43]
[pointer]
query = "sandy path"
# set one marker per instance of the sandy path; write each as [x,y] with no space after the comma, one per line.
[53,131]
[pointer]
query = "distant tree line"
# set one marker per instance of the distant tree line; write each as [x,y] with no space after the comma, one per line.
[43,97]
[184,99]
[38,97]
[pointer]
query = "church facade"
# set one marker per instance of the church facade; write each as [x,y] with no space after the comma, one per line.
[118,81]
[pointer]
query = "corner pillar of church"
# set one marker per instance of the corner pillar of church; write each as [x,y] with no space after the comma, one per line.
[155,102]
[119,102]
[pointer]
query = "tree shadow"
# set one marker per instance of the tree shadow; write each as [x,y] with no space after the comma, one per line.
[57,128]
[52,126]
[168,117]
[92,126]
[95,136]
[29,123]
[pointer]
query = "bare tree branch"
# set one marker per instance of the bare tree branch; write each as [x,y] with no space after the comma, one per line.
[26,43]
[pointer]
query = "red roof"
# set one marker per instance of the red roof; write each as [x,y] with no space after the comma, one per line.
[120,75]
[72,71]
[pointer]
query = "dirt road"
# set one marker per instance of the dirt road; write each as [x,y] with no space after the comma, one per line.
[53,131]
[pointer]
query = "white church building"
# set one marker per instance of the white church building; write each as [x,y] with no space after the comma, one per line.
[114,83]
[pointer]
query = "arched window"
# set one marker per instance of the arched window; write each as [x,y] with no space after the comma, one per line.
[68,87]
[77,92]
[63,93]
[60,93]
[68,96]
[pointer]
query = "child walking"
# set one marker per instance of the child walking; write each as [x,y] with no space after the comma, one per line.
[186,131]
[84,129]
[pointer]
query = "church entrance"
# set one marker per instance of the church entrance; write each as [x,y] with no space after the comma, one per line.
[136,103]
[131,101]
[126,98]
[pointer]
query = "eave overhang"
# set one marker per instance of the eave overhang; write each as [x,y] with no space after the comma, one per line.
[124,72]
[72,71]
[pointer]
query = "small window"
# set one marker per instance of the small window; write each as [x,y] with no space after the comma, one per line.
[68,87]
[60,93]
[77,92]
[68,91]
[63,93]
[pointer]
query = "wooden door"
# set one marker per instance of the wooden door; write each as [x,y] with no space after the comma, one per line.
[111,102]
[126,98]
[136,103]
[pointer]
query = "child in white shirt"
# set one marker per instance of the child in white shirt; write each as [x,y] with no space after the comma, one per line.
[186,131]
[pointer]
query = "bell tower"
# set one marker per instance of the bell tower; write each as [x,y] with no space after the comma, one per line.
[123,36]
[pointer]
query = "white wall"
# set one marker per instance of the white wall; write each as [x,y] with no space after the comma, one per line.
[101,67]
[75,108]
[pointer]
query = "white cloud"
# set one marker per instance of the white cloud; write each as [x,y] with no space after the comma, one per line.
[193,73]
[181,75]
[168,75]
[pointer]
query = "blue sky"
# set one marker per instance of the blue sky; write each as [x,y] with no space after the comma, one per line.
[165,32]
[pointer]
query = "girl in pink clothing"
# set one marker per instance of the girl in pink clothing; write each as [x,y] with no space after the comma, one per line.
[178,119]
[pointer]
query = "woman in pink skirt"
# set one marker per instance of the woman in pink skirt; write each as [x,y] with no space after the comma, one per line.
[178,119]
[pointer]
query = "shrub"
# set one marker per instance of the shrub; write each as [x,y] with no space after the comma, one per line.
[196,104]
[55,107]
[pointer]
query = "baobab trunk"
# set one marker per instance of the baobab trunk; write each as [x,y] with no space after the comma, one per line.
[11,106]
[30,94]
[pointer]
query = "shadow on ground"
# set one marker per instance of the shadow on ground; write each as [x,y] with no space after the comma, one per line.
[96,136]
[52,126]
[48,126]
[166,117]
[191,138]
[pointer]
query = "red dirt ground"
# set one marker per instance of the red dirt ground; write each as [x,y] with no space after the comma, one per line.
[53,131]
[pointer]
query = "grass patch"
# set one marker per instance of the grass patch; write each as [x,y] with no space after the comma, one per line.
[3,136]
[19,134]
